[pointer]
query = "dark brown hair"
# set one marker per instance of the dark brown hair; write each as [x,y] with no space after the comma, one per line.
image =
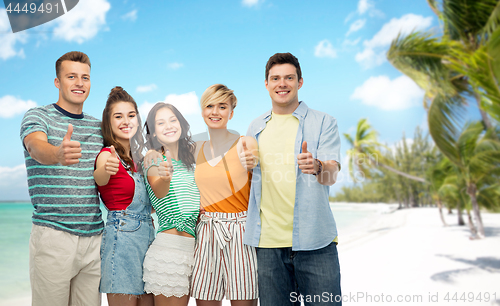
[186,144]
[74,56]
[283,58]
[117,95]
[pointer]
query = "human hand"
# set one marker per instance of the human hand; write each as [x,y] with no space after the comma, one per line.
[306,161]
[150,158]
[69,152]
[166,170]
[247,159]
[112,163]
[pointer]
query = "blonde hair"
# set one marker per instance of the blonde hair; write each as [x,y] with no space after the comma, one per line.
[218,93]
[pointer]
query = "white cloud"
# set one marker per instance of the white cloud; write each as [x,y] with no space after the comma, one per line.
[13,183]
[132,16]
[376,47]
[146,88]
[8,39]
[249,3]
[11,106]
[363,6]
[8,174]
[381,92]
[325,49]
[83,22]
[186,103]
[356,26]
[367,6]
[175,65]
[349,43]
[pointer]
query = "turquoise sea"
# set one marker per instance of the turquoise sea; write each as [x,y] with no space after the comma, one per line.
[15,228]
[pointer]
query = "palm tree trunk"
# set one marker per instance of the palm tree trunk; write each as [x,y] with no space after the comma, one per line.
[440,207]
[461,221]
[484,115]
[409,176]
[472,227]
[471,190]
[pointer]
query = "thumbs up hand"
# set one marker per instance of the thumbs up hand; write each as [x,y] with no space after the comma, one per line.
[69,151]
[306,161]
[247,159]
[166,169]
[112,163]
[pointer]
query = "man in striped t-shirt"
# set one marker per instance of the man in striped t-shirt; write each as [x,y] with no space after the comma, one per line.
[61,143]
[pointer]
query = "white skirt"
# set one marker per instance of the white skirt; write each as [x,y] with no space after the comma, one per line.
[168,265]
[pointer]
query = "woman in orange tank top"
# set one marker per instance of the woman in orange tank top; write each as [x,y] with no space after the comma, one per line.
[223,266]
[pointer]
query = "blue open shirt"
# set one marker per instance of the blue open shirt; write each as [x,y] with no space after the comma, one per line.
[313,223]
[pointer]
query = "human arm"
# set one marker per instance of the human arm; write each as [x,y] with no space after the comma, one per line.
[107,164]
[67,153]
[310,165]
[150,157]
[248,151]
[159,177]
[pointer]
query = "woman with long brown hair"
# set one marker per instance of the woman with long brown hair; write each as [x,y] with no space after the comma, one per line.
[129,229]
[176,200]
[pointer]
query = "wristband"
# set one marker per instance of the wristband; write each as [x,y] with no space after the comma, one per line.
[320,167]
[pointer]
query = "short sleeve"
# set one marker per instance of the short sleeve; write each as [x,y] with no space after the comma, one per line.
[329,141]
[34,121]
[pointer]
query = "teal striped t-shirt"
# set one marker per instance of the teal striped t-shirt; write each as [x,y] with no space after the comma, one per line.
[64,197]
[179,209]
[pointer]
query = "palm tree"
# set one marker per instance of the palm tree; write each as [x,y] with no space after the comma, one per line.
[460,63]
[365,153]
[476,156]
[437,175]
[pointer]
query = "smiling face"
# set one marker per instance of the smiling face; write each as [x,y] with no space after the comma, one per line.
[74,85]
[124,121]
[217,115]
[167,127]
[283,86]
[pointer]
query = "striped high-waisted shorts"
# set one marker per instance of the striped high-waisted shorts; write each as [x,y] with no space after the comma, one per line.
[223,265]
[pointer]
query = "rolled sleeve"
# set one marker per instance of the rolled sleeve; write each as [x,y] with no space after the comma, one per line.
[329,141]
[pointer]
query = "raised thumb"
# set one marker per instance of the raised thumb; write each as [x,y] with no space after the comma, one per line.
[169,157]
[244,144]
[113,150]
[69,132]
[304,147]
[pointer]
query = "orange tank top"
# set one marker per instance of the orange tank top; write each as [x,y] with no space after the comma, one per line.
[224,187]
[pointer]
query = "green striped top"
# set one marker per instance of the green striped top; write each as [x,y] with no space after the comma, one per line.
[64,197]
[179,209]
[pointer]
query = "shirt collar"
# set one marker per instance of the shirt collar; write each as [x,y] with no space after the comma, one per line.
[300,112]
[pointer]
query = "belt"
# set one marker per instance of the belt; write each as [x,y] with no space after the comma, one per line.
[222,233]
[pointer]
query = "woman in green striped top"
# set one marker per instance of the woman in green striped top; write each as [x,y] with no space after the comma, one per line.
[176,200]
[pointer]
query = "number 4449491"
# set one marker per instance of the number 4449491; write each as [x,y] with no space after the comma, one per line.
[470,297]
[32,8]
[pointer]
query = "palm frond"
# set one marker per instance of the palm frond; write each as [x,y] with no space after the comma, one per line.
[446,117]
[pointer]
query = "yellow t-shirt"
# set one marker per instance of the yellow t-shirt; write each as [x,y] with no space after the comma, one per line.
[278,162]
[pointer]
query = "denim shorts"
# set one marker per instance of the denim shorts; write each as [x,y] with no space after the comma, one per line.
[125,241]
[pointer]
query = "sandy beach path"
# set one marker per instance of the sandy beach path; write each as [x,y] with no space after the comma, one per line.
[409,255]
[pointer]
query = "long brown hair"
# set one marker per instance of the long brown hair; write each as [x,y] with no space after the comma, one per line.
[116,95]
[186,144]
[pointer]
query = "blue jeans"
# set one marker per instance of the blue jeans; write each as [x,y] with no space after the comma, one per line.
[288,277]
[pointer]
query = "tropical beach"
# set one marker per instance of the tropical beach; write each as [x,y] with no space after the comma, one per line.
[387,256]
[413,87]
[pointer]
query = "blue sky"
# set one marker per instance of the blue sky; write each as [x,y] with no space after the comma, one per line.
[173,50]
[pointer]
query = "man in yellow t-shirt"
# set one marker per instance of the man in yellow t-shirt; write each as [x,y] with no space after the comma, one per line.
[289,216]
